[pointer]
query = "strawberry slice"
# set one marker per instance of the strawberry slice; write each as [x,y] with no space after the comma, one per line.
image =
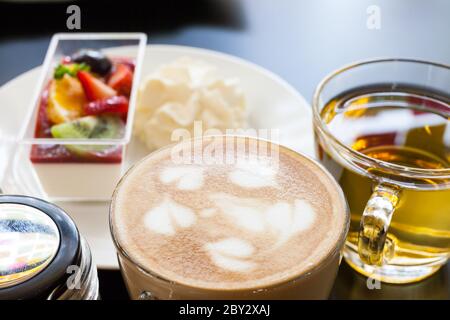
[116,104]
[43,123]
[126,61]
[94,88]
[66,60]
[121,79]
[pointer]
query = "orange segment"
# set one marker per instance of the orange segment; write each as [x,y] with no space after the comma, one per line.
[66,100]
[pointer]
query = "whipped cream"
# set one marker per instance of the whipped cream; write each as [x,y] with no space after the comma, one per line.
[184,91]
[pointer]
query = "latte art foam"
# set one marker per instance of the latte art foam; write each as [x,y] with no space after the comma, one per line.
[228,225]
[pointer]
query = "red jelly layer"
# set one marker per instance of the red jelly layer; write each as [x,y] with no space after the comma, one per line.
[56,153]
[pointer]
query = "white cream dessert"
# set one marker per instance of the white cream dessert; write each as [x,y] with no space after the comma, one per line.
[184,91]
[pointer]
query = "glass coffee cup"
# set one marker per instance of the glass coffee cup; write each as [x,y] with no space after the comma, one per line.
[243,224]
[382,129]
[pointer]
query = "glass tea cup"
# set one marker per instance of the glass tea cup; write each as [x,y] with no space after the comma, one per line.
[382,129]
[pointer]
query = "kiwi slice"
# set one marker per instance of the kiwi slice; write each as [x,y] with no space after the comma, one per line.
[89,127]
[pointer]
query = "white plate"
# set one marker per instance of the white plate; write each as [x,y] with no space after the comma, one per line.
[272,102]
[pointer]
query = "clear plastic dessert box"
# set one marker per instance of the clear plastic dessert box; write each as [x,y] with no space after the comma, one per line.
[80,120]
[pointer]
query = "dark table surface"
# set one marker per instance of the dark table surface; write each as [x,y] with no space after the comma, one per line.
[300,40]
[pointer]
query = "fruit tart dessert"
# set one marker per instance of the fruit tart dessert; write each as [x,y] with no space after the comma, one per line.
[87,97]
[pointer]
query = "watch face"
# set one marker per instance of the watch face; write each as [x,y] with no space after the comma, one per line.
[29,240]
[38,243]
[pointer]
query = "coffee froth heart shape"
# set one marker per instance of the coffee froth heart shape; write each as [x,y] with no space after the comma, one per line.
[282,218]
[232,254]
[167,216]
[185,177]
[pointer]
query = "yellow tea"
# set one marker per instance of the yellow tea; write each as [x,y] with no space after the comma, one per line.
[407,127]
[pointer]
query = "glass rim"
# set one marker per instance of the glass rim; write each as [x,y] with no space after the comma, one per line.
[336,248]
[318,121]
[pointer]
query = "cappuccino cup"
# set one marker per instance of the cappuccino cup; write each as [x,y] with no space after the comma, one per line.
[228,217]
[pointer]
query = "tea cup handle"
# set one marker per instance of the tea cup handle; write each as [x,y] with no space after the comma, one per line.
[375,222]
